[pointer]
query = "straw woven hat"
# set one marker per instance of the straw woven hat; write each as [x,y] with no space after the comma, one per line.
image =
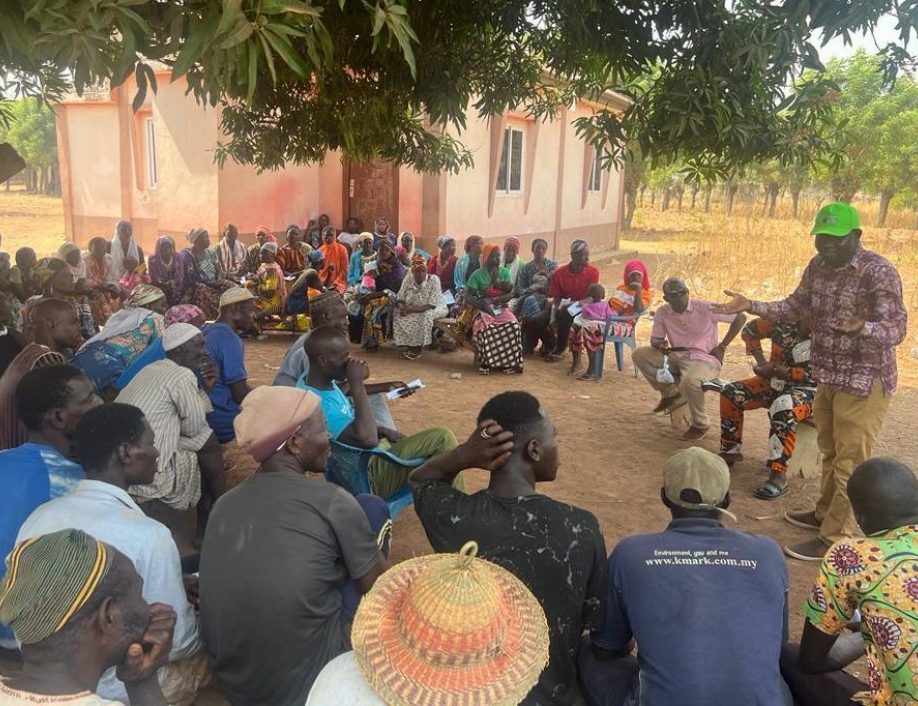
[450,630]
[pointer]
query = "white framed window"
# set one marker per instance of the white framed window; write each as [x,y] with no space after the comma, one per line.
[595,183]
[510,172]
[150,139]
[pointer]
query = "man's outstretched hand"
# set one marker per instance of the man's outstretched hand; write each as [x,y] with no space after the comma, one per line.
[488,447]
[738,304]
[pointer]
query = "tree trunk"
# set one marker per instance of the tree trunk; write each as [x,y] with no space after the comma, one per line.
[708,190]
[653,198]
[730,193]
[680,192]
[795,202]
[641,195]
[885,198]
[773,192]
[664,201]
[56,178]
[694,195]
[630,203]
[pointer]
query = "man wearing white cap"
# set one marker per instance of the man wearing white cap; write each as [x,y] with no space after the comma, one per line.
[280,554]
[190,458]
[226,350]
[706,604]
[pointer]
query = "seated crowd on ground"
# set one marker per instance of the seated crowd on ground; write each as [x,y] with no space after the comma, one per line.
[133,576]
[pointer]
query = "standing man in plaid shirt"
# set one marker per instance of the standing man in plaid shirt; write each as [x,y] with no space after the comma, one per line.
[855,300]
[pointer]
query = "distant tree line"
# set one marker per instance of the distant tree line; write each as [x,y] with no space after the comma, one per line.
[868,148]
[30,128]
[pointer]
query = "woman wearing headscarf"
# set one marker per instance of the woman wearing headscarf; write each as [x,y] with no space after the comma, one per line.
[532,297]
[443,264]
[377,305]
[407,247]
[64,277]
[253,256]
[105,356]
[335,270]
[363,253]
[269,287]
[420,303]
[165,268]
[123,245]
[98,264]
[511,257]
[178,314]
[468,263]
[495,330]
[630,298]
[202,275]
[231,252]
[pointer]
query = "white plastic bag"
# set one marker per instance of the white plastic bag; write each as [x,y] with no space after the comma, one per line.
[664,377]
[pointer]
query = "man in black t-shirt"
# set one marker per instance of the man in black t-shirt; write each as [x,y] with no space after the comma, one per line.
[557,550]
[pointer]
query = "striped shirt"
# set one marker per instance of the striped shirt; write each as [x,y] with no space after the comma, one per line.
[169,398]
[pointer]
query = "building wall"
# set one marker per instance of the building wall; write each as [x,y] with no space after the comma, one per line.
[90,170]
[188,180]
[553,203]
[104,168]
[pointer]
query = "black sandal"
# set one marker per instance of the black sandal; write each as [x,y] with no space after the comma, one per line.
[769,490]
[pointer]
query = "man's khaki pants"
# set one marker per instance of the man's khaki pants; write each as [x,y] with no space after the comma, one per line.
[847,427]
[688,373]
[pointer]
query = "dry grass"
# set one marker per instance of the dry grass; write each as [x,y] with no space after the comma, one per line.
[30,220]
[759,256]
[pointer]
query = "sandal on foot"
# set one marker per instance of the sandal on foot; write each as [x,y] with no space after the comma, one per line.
[769,490]
[484,371]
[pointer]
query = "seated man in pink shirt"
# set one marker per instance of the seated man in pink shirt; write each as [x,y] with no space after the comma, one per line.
[685,339]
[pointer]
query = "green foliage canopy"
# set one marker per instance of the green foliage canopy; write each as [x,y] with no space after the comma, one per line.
[393,79]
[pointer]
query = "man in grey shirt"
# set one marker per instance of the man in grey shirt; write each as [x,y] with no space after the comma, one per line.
[280,553]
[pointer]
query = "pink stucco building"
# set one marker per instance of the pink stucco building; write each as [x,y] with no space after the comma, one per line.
[156,169]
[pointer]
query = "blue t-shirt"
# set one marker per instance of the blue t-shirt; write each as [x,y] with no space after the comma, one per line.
[226,350]
[30,475]
[707,606]
[339,412]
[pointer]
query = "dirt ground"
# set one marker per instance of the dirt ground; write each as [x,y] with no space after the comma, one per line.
[612,449]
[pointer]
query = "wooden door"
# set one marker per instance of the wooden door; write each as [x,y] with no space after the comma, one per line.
[370,191]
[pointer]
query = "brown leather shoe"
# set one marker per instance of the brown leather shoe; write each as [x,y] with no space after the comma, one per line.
[802,518]
[694,433]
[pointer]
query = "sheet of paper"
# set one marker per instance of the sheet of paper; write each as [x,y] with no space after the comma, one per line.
[413,385]
[574,309]
[448,297]
[564,302]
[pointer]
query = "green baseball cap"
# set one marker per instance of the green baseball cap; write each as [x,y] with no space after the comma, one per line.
[836,219]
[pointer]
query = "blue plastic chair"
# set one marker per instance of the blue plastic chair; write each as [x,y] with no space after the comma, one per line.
[620,341]
[348,466]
